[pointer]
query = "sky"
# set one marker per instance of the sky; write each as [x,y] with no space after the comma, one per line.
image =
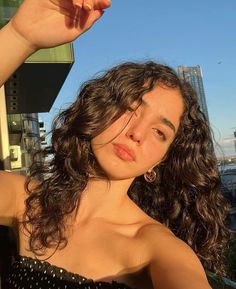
[172,32]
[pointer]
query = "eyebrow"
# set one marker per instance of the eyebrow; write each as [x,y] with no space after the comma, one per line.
[163,119]
[167,122]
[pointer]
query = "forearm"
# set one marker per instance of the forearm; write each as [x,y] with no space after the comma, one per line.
[13,51]
[44,24]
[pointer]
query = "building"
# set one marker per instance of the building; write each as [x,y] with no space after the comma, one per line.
[42,133]
[31,89]
[24,138]
[193,75]
[235,141]
[228,188]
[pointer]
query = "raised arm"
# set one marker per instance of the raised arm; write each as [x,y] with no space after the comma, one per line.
[44,23]
[38,24]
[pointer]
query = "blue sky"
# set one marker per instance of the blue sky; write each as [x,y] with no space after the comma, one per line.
[171,32]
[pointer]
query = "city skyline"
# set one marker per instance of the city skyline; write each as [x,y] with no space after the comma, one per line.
[173,33]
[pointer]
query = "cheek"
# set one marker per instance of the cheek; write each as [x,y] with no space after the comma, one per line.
[155,152]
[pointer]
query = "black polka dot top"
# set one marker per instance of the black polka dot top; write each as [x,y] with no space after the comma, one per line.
[27,273]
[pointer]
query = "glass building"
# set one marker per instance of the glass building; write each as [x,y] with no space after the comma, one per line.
[7,9]
[24,138]
[193,75]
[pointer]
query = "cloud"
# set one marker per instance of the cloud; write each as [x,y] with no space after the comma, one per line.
[225,148]
[227,141]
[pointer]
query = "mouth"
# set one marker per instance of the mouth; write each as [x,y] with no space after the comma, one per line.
[124,152]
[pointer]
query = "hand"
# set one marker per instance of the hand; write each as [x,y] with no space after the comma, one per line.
[48,23]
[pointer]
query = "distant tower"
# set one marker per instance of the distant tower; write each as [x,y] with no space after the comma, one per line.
[193,75]
[235,142]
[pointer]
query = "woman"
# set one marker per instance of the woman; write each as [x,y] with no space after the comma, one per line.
[131,196]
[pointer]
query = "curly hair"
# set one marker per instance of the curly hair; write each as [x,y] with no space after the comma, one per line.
[189,203]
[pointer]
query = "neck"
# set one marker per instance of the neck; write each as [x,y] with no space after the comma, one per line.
[104,199]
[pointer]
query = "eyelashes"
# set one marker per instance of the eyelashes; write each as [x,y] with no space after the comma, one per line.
[160,134]
[130,109]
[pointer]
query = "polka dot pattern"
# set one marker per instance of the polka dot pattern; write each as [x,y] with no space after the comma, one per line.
[27,273]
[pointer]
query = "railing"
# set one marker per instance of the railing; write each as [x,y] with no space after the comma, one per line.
[218,282]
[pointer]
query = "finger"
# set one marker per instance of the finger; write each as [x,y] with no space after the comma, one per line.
[78,3]
[87,19]
[88,5]
[95,16]
[102,4]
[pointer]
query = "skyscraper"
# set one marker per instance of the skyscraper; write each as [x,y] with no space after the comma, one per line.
[193,75]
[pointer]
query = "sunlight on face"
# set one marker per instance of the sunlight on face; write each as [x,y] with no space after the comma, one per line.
[140,138]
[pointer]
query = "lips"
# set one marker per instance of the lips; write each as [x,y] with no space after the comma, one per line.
[124,152]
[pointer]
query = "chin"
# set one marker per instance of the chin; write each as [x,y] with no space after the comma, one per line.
[119,174]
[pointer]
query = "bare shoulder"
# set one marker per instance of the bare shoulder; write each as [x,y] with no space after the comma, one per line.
[162,241]
[173,264]
[11,178]
[12,197]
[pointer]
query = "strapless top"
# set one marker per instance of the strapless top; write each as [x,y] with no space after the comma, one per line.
[27,273]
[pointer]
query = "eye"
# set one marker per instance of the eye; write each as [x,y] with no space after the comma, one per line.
[160,133]
[131,109]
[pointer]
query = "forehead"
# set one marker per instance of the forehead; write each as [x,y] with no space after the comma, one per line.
[166,97]
[165,102]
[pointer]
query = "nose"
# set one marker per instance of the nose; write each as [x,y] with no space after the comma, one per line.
[136,131]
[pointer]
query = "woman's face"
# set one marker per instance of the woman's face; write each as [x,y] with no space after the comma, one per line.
[139,139]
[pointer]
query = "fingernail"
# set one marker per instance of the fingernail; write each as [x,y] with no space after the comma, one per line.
[88,7]
[77,4]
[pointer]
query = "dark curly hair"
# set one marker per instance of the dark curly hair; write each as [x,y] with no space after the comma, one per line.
[187,196]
